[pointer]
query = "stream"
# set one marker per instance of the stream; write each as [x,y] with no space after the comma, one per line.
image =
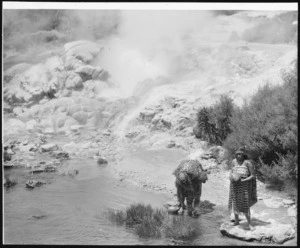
[71,210]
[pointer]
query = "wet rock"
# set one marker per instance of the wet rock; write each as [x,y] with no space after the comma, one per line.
[61,155]
[39,216]
[268,231]
[31,147]
[101,161]
[37,169]
[73,173]
[34,183]
[8,165]
[50,168]
[48,147]
[45,167]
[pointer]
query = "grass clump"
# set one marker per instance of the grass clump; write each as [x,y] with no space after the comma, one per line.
[116,216]
[181,228]
[154,223]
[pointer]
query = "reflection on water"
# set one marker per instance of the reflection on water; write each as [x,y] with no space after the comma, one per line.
[71,210]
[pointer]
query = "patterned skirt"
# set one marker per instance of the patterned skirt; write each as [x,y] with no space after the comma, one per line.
[242,196]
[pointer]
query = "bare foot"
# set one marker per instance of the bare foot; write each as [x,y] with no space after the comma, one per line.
[234,224]
[251,228]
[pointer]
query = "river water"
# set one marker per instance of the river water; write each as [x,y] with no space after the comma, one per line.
[71,210]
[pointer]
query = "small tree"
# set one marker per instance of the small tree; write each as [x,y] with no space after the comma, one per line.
[206,127]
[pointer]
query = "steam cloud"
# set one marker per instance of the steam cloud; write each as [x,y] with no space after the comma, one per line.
[149,44]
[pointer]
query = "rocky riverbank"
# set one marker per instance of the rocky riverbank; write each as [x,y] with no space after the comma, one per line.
[274,216]
[61,103]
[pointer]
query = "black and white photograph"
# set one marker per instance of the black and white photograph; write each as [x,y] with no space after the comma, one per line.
[149,123]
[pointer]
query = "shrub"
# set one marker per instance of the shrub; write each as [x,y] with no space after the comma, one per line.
[222,112]
[213,123]
[267,126]
[206,128]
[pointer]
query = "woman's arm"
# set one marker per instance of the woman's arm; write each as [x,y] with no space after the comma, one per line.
[251,170]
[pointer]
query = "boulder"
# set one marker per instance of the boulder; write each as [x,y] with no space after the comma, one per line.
[50,167]
[31,147]
[101,161]
[161,123]
[147,115]
[81,117]
[269,231]
[34,183]
[49,147]
[73,173]
[88,72]
[73,81]
[60,155]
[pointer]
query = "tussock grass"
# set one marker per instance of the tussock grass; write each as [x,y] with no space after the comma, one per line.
[181,228]
[116,216]
[137,213]
[154,223]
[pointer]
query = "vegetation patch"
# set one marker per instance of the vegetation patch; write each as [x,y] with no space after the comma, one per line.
[267,125]
[154,223]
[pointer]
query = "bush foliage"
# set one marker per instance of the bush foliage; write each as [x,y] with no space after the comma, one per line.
[213,123]
[266,125]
